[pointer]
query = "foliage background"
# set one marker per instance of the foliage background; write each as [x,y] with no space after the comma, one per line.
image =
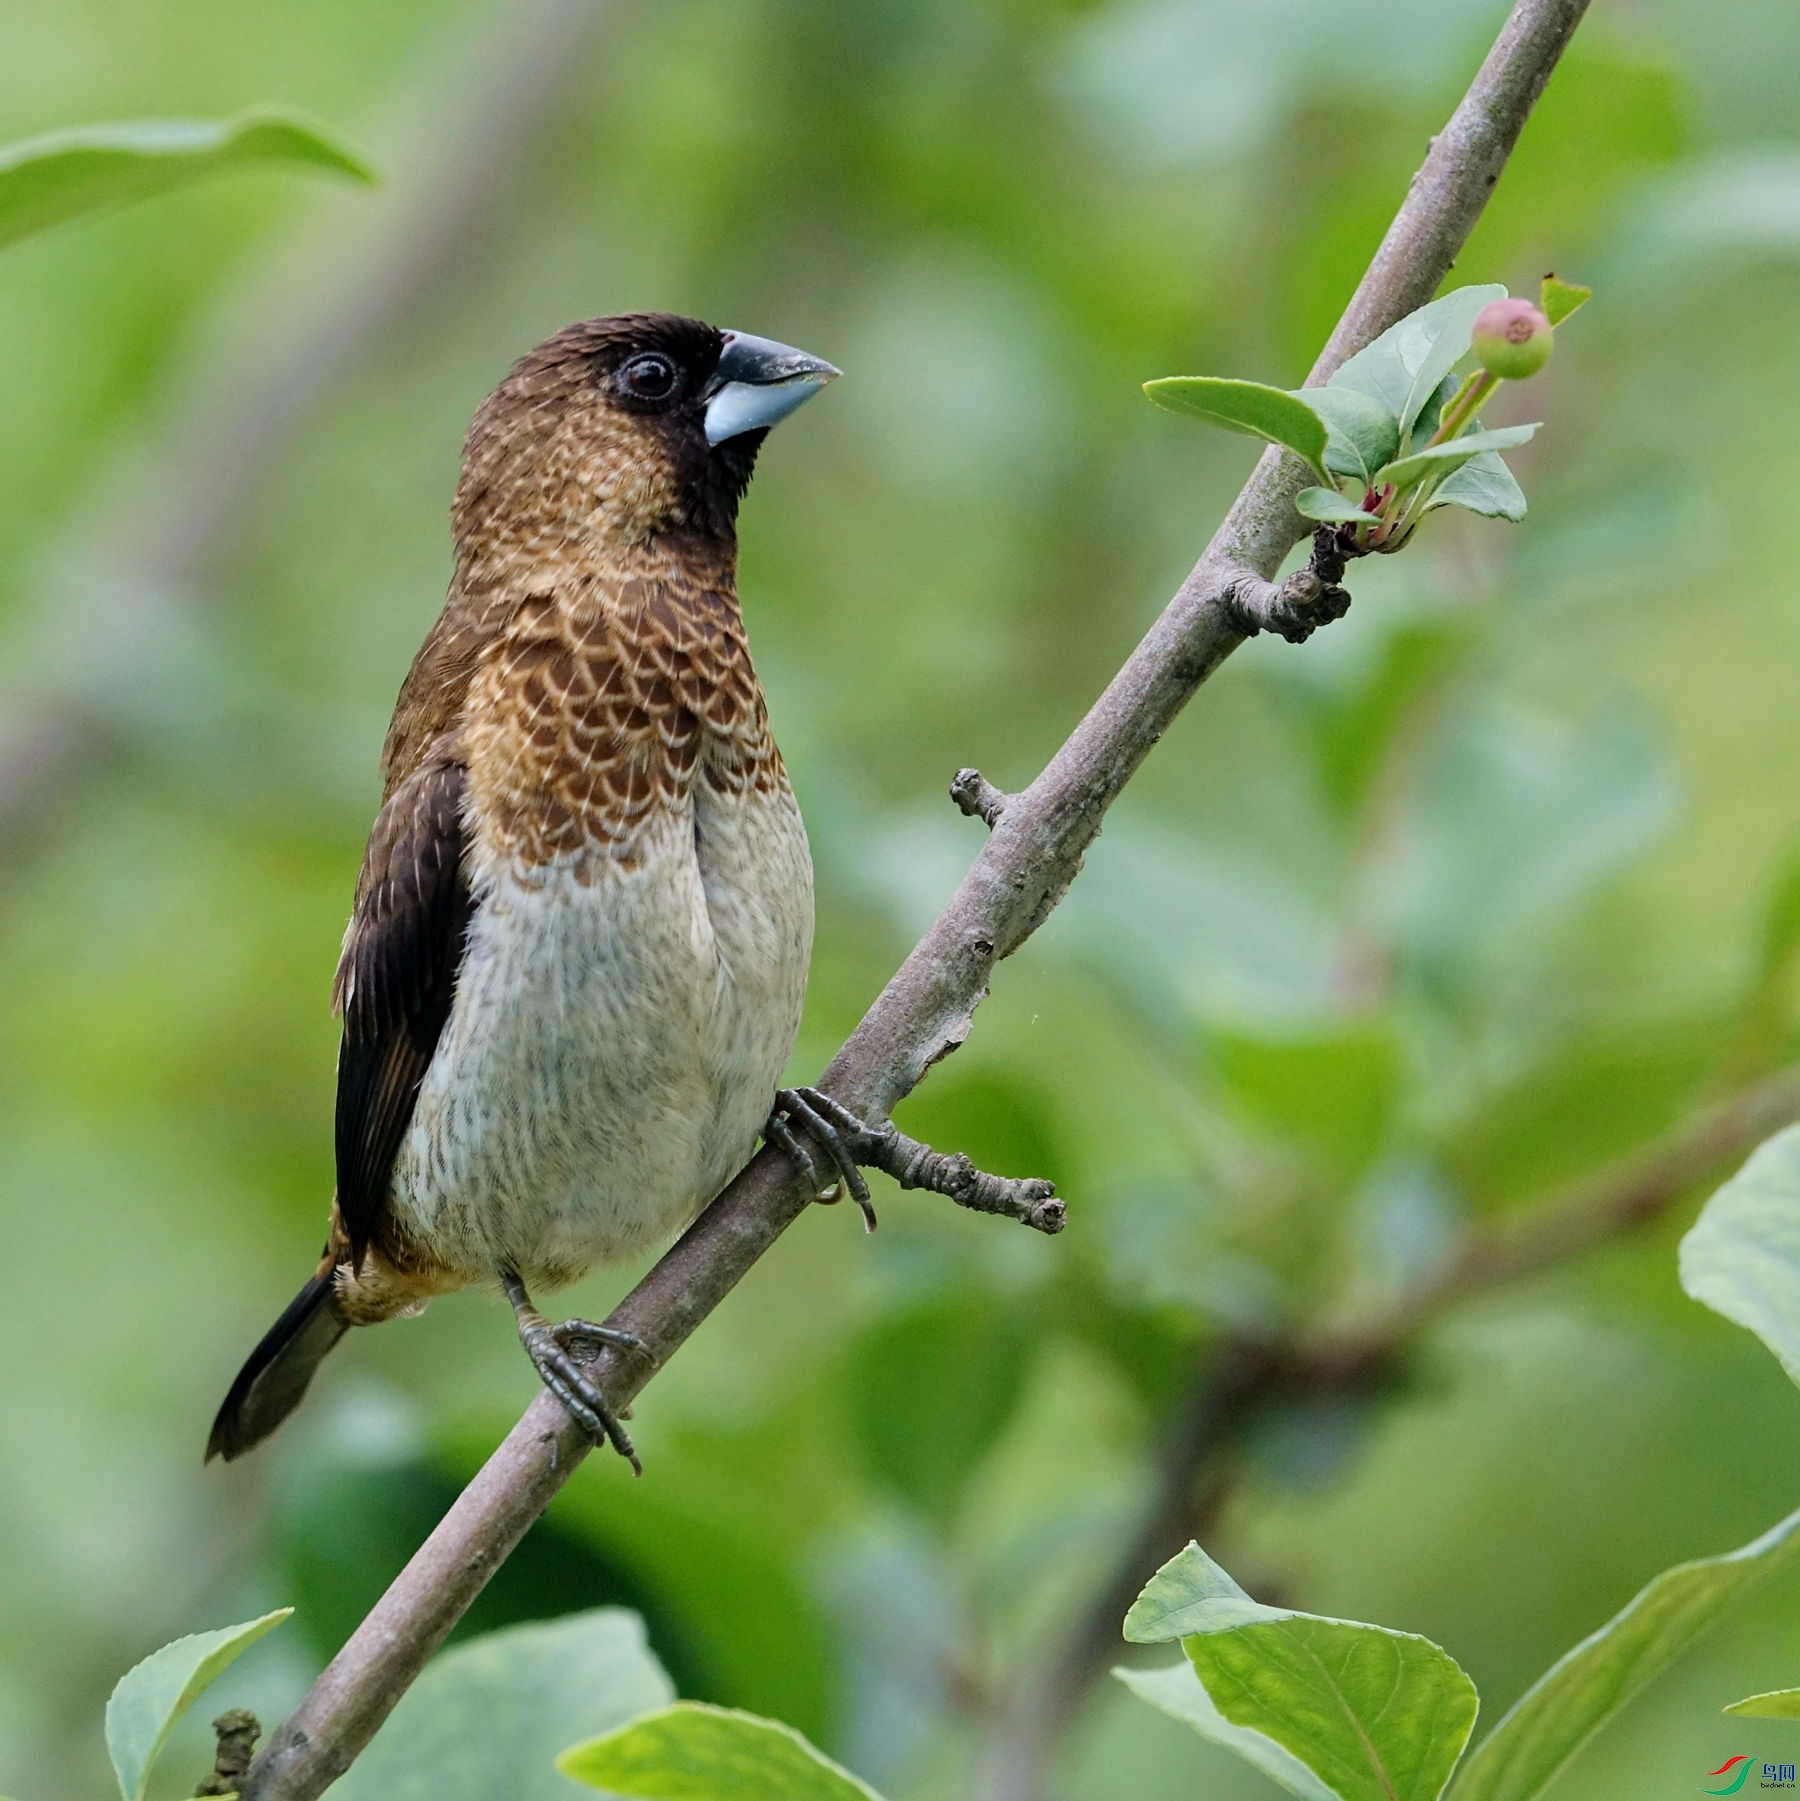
[1404,926]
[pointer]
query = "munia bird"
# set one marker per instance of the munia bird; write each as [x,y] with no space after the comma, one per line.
[578,950]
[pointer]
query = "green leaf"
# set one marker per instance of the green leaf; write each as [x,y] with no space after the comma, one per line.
[1442,459]
[489,1717]
[1246,406]
[1582,1690]
[692,1752]
[1482,485]
[1776,1704]
[1363,434]
[47,180]
[1558,299]
[1190,1593]
[1330,507]
[1403,367]
[1375,1715]
[1742,1255]
[1178,1691]
[153,1695]
[1330,1093]
[1433,409]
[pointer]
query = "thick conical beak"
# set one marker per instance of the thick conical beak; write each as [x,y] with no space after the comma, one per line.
[758,384]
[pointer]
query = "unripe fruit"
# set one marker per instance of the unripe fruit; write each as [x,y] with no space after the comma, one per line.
[1512,338]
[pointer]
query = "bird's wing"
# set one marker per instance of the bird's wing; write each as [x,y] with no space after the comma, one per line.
[396,979]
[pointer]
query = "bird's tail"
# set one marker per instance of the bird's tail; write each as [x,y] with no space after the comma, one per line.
[274,1377]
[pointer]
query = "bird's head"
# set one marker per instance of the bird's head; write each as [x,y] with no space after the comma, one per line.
[619,430]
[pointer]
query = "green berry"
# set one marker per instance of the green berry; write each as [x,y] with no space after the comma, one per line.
[1512,338]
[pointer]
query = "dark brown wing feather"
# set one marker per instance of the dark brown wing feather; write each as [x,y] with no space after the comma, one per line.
[396,980]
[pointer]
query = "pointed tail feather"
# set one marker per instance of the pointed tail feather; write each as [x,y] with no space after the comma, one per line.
[274,1377]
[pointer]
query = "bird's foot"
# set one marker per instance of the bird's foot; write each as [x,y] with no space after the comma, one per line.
[804,1117]
[582,1339]
[832,1129]
[564,1375]
[559,1354]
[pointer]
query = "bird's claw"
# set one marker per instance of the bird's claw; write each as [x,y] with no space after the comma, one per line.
[581,1338]
[837,1131]
[562,1373]
[556,1353]
[853,1145]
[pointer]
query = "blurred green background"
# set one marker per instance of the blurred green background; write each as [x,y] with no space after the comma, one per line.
[1400,928]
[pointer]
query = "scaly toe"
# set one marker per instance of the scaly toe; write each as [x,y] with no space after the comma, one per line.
[835,1111]
[800,1104]
[851,1128]
[573,1333]
[778,1132]
[583,1401]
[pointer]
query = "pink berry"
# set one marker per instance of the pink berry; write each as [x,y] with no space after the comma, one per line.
[1512,338]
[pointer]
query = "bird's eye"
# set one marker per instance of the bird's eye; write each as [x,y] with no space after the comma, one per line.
[649,377]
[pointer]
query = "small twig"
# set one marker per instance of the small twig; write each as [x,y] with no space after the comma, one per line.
[238,1731]
[1029,1199]
[1295,608]
[851,1144]
[978,797]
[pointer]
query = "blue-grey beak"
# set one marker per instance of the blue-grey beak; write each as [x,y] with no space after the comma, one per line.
[758,383]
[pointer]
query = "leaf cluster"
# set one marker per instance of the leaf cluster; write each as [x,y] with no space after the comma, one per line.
[1394,433]
[496,1716]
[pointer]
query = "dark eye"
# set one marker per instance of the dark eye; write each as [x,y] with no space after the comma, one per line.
[649,377]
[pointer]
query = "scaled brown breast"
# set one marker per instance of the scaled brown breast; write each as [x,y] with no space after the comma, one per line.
[601,703]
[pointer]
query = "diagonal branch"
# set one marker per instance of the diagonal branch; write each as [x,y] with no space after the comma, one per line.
[926,1011]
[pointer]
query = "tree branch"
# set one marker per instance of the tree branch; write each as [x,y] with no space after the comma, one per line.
[1235,1378]
[926,1010]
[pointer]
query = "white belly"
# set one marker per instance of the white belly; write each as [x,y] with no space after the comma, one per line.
[614,1045]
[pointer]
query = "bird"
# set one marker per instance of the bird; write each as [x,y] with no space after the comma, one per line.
[578,946]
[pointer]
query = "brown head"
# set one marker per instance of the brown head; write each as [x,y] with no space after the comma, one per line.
[622,430]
